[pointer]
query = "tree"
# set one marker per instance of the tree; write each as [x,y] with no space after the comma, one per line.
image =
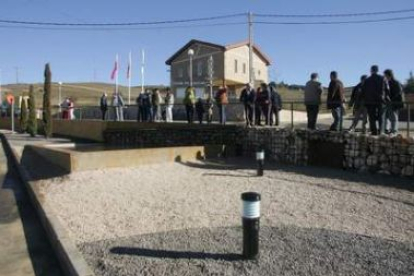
[32,123]
[47,109]
[409,86]
[23,116]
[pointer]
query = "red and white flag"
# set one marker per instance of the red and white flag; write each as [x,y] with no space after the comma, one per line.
[115,70]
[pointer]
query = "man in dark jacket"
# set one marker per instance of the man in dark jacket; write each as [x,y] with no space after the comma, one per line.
[248,97]
[393,102]
[373,94]
[276,106]
[357,102]
[104,105]
[335,101]
[263,103]
[313,91]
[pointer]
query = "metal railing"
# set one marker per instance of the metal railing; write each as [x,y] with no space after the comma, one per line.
[292,115]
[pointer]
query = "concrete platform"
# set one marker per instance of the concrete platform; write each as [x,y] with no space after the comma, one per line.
[83,157]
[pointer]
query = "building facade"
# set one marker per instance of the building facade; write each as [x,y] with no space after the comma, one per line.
[230,67]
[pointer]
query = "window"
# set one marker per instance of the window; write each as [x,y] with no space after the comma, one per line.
[235,66]
[244,68]
[199,69]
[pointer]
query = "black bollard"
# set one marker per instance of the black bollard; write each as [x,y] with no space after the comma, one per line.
[260,155]
[251,224]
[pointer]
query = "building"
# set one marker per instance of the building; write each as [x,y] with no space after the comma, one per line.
[230,67]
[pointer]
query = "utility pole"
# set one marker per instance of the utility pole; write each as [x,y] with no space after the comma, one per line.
[210,75]
[251,72]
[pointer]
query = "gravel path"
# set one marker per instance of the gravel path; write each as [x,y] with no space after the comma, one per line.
[105,207]
[284,251]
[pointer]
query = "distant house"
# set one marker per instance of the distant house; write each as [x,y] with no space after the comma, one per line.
[230,67]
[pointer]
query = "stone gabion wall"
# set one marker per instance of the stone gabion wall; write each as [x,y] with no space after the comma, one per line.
[383,154]
[165,137]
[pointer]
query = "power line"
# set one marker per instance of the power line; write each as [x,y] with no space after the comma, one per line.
[337,14]
[39,23]
[336,22]
[50,28]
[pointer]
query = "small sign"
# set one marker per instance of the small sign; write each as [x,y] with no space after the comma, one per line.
[10,99]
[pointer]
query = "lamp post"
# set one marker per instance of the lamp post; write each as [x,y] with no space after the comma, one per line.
[251,224]
[60,98]
[260,156]
[190,55]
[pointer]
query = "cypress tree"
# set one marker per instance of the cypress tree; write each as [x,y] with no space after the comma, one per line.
[23,116]
[32,123]
[47,109]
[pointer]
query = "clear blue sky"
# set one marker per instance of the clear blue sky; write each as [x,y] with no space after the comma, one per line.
[296,51]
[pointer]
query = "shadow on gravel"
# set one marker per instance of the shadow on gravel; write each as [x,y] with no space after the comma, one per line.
[38,167]
[231,164]
[284,250]
[171,254]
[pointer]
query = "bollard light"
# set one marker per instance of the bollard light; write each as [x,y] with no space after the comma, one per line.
[251,224]
[260,156]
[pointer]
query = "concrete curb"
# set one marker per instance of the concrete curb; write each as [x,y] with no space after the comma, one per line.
[71,260]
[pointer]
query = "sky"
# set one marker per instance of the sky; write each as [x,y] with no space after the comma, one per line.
[296,51]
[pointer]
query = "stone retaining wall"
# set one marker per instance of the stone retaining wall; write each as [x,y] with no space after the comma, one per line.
[383,154]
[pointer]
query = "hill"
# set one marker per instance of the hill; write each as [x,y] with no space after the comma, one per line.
[83,94]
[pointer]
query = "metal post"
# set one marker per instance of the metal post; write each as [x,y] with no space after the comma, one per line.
[12,114]
[60,100]
[250,20]
[260,156]
[191,70]
[251,224]
[291,114]
[408,119]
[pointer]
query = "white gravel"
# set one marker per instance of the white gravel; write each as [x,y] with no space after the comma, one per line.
[109,204]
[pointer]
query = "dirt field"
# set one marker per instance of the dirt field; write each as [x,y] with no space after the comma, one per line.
[184,219]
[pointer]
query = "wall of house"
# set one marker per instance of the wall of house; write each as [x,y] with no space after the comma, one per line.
[241,54]
[180,68]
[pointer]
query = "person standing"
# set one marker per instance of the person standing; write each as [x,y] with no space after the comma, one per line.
[169,102]
[199,107]
[393,102]
[276,104]
[357,102]
[265,103]
[222,101]
[373,92]
[248,97]
[156,105]
[335,101]
[189,101]
[209,107]
[140,107]
[313,92]
[118,103]
[104,105]
[147,103]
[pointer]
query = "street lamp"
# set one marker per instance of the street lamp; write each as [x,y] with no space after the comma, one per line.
[60,98]
[190,55]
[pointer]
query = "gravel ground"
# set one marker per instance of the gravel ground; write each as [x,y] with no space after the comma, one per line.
[336,215]
[284,251]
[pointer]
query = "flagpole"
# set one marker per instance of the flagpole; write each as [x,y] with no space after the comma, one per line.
[116,77]
[142,70]
[129,77]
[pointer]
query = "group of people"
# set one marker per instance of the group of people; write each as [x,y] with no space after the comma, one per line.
[376,99]
[264,102]
[68,109]
[149,105]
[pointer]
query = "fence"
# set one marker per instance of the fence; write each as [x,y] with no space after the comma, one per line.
[293,115]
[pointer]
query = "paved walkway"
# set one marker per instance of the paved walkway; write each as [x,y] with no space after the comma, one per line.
[24,248]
